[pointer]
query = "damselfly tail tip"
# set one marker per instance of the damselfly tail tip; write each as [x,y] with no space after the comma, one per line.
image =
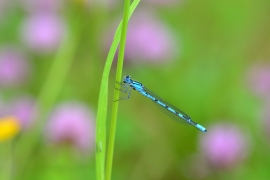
[200,127]
[204,130]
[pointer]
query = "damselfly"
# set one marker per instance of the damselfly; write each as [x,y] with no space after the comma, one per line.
[128,84]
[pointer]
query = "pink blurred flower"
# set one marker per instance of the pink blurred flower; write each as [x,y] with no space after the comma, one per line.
[34,6]
[25,109]
[224,146]
[14,69]
[148,39]
[259,80]
[72,123]
[43,32]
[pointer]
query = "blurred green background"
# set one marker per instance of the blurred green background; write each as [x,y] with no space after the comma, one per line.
[208,58]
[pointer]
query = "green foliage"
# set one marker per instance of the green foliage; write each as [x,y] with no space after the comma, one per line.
[219,42]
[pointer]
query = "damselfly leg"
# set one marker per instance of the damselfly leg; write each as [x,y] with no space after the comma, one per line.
[125,88]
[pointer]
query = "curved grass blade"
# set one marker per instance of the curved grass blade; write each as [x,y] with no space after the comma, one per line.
[103,102]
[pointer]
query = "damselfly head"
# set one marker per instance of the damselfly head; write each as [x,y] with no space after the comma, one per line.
[126,79]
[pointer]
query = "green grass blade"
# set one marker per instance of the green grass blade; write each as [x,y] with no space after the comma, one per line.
[103,102]
[110,151]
